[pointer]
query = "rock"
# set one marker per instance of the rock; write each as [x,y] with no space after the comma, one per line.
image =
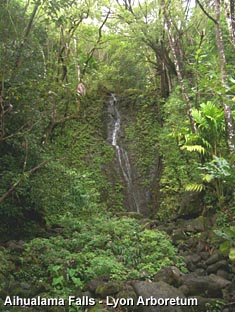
[158,290]
[201,246]
[202,265]
[212,259]
[128,293]
[165,228]
[196,225]
[92,285]
[109,288]
[206,304]
[201,285]
[170,275]
[190,228]
[153,224]
[184,289]
[178,235]
[200,272]
[228,292]
[191,204]
[213,268]
[96,308]
[204,255]
[233,267]
[194,258]
[191,267]
[224,274]
[219,281]
[199,224]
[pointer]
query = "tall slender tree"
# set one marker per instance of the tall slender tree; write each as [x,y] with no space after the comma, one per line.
[174,51]
[222,62]
[230,17]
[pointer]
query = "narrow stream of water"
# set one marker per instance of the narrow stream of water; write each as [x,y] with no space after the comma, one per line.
[122,155]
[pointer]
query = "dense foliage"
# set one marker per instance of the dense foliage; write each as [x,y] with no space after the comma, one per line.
[171,65]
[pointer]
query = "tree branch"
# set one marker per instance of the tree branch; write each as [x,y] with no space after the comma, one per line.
[26,34]
[205,12]
[17,183]
[91,53]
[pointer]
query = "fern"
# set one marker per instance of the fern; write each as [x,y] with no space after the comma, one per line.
[207,177]
[194,148]
[195,187]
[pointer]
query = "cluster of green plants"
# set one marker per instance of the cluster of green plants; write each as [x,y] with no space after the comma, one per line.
[117,247]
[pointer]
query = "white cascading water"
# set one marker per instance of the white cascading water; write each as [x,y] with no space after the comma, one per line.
[121,153]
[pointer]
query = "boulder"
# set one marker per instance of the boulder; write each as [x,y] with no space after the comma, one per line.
[219,281]
[201,246]
[213,268]
[228,292]
[93,284]
[212,259]
[170,275]
[201,285]
[109,288]
[191,204]
[194,258]
[128,293]
[207,304]
[224,274]
[204,255]
[199,224]
[158,290]
[178,235]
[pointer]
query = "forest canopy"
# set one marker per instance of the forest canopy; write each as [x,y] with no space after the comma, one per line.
[172,61]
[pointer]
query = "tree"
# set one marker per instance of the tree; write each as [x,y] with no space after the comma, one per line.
[172,44]
[224,80]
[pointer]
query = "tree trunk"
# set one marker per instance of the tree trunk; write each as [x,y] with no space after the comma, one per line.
[222,62]
[177,67]
[229,11]
[26,34]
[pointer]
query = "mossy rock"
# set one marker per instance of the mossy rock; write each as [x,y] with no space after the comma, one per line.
[208,304]
[98,307]
[110,288]
[128,293]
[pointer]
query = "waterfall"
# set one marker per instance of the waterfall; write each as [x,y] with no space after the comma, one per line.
[121,153]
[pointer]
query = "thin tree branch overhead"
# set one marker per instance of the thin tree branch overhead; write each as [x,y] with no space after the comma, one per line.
[205,12]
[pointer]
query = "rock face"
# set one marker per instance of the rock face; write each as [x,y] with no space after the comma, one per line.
[140,191]
[191,205]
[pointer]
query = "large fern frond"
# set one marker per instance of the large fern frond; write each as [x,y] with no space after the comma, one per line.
[194,148]
[195,187]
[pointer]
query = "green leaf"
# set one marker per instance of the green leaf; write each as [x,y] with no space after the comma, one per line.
[58,280]
[232,254]
[77,281]
[224,247]
[194,148]
[195,187]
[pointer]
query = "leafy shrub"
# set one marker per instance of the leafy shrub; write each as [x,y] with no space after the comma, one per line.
[116,247]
